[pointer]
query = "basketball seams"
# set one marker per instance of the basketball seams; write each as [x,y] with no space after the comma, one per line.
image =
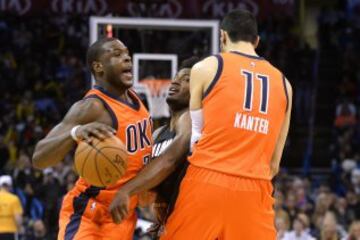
[109,160]
[97,169]
[118,167]
[99,150]
[82,150]
[86,158]
[124,151]
[84,147]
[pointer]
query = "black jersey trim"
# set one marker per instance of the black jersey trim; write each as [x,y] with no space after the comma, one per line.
[79,204]
[136,105]
[286,93]
[247,55]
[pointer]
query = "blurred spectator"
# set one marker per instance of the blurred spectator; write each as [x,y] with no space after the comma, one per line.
[51,194]
[354,231]
[355,180]
[10,211]
[4,153]
[300,229]
[342,212]
[345,115]
[280,212]
[38,231]
[304,202]
[281,227]
[353,205]
[290,206]
[329,229]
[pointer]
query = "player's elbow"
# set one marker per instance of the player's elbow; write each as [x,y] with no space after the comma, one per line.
[182,150]
[274,168]
[274,171]
[19,219]
[38,160]
[176,153]
[169,165]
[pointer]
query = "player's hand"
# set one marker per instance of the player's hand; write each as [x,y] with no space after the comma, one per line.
[154,230]
[119,207]
[160,209]
[98,130]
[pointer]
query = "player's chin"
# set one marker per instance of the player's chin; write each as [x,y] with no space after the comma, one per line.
[171,99]
[127,82]
[171,96]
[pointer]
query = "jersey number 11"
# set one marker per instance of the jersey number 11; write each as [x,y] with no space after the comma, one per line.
[249,85]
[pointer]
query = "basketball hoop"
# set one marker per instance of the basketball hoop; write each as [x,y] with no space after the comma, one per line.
[158,92]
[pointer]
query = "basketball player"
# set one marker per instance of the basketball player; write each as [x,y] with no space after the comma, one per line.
[240,110]
[111,107]
[169,140]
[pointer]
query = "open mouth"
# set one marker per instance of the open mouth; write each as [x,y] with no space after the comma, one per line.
[127,73]
[173,90]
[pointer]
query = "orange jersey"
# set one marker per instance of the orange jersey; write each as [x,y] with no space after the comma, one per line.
[244,108]
[133,127]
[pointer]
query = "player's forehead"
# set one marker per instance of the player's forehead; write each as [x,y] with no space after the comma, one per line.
[114,45]
[183,72]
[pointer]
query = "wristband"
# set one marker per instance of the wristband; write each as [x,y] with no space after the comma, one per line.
[197,123]
[73,133]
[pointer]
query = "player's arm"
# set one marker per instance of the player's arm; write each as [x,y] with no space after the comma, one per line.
[276,158]
[157,132]
[162,166]
[18,211]
[201,76]
[156,171]
[92,119]
[19,223]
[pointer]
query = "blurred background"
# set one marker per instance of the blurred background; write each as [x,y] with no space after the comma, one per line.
[315,43]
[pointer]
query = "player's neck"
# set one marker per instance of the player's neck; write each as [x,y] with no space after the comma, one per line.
[175,116]
[4,189]
[243,47]
[121,93]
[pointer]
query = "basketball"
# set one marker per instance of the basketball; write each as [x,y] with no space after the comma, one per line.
[101,163]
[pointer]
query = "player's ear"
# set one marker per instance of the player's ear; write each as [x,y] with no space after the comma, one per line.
[223,40]
[257,41]
[223,37]
[97,66]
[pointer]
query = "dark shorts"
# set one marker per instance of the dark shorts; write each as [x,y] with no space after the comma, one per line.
[7,236]
[168,190]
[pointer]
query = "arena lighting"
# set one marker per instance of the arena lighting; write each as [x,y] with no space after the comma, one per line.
[109,30]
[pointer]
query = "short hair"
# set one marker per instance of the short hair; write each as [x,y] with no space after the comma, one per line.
[240,25]
[189,62]
[96,50]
